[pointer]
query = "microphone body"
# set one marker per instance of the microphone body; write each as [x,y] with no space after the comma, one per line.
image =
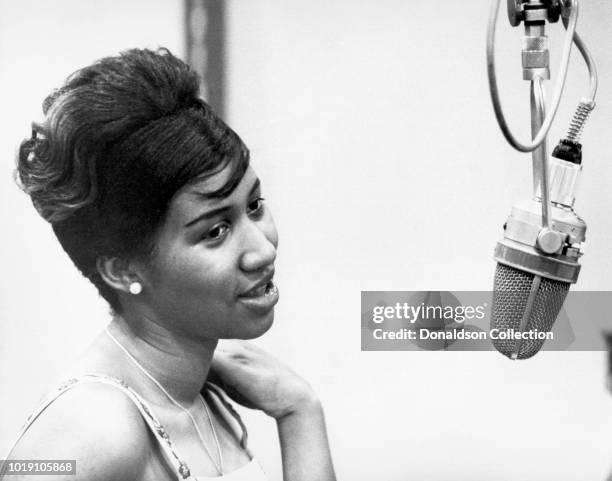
[536,266]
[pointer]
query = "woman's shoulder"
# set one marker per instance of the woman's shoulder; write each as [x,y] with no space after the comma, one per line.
[95,424]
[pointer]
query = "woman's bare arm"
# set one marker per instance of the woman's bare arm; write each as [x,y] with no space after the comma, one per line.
[304,445]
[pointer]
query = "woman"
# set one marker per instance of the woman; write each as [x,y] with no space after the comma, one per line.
[152,197]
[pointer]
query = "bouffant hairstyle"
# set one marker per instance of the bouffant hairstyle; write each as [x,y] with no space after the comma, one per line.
[117,142]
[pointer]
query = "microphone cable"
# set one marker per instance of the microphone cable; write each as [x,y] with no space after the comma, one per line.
[587,104]
[559,86]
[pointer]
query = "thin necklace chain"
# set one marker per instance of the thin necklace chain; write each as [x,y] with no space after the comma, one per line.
[219,465]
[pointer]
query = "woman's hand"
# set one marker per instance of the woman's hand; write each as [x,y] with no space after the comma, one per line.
[255,379]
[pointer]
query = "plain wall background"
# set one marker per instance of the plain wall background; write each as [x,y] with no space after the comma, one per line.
[371,128]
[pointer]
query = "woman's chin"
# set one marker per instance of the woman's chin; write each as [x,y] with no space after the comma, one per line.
[254,328]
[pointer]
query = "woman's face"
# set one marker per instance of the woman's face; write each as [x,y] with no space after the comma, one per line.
[211,276]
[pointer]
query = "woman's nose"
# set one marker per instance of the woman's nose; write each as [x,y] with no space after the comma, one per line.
[260,243]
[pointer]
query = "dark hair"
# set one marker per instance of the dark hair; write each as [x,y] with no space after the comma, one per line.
[119,139]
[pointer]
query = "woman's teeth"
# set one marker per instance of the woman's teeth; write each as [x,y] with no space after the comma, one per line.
[261,291]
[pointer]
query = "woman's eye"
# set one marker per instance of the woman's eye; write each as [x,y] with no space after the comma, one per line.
[217,232]
[256,206]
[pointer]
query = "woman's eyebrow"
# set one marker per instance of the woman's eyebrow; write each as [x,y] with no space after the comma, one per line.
[209,214]
[221,210]
[256,185]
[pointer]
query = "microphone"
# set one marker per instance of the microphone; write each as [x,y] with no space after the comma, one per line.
[537,265]
[537,260]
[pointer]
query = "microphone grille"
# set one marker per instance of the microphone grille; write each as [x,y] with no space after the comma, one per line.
[511,291]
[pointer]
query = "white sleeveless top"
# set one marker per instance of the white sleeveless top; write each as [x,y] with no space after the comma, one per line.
[249,472]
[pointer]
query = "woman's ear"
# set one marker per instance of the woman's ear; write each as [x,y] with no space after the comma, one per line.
[119,274]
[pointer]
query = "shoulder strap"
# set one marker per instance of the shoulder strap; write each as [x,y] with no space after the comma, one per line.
[151,420]
[220,395]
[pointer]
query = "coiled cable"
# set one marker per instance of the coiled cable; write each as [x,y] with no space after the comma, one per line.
[586,105]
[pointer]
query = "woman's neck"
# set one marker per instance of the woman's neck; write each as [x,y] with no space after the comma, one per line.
[179,364]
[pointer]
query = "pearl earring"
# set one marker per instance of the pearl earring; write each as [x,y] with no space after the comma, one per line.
[135,288]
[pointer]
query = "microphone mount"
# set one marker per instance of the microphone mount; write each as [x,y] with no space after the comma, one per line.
[535,59]
[531,12]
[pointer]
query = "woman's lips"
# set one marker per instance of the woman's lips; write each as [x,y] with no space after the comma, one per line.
[258,288]
[261,299]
